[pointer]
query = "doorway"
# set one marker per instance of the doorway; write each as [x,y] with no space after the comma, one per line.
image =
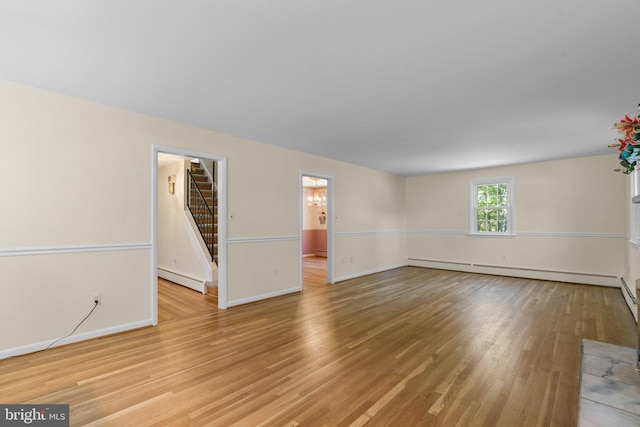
[316,229]
[221,180]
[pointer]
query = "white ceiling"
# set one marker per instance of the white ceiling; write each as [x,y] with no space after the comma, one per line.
[165,159]
[313,182]
[406,86]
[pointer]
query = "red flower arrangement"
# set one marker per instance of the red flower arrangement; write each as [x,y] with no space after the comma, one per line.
[629,145]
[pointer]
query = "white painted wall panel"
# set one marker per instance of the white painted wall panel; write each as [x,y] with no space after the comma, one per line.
[176,253]
[80,176]
[568,217]
[45,296]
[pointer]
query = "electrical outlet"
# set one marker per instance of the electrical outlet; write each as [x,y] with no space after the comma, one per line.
[96,297]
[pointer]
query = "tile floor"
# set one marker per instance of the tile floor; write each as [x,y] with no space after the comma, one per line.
[609,386]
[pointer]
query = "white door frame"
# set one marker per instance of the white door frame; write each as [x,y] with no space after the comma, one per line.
[221,164]
[330,218]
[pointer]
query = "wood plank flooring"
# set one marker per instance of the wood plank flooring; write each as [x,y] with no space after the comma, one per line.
[314,271]
[406,347]
[175,301]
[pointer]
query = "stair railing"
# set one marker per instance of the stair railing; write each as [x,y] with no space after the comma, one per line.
[202,214]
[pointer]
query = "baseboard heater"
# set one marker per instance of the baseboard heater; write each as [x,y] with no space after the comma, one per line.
[634,300]
[440,262]
[175,273]
[537,270]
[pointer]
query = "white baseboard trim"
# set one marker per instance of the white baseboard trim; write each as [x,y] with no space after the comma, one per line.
[199,246]
[263,296]
[366,273]
[31,348]
[524,272]
[524,233]
[182,279]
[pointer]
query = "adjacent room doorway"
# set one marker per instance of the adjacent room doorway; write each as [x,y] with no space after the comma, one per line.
[316,230]
[221,167]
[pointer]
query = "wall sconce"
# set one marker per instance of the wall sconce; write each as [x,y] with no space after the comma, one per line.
[172,184]
[322,218]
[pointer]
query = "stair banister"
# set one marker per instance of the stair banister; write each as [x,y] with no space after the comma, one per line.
[202,214]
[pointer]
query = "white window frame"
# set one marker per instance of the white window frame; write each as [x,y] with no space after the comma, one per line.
[473,206]
[634,215]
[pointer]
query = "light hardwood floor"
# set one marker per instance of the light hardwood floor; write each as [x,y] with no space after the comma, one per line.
[406,347]
[314,271]
[178,302]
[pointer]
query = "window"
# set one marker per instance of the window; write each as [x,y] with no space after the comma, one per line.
[635,208]
[492,206]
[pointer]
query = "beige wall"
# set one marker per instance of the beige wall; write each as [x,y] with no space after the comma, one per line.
[569,222]
[77,215]
[177,253]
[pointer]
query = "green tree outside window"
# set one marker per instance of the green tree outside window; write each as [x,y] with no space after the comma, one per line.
[492,207]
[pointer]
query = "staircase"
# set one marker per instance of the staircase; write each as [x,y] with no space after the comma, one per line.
[203,204]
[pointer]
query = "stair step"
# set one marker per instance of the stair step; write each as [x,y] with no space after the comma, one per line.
[208,240]
[195,203]
[198,205]
[202,215]
[201,212]
[207,192]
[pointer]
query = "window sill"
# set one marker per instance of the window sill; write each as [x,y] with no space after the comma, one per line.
[503,235]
